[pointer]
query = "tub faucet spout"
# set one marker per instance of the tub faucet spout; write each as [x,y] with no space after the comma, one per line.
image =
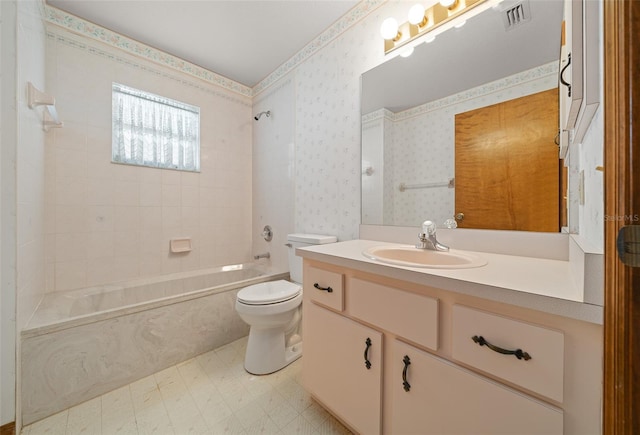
[427,238]
[259,256]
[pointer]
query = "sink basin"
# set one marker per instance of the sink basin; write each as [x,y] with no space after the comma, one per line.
[414,257]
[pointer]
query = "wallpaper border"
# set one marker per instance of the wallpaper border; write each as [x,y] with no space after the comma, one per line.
[86,28]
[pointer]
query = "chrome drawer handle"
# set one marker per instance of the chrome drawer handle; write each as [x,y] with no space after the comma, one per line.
[518,352]
[324,289]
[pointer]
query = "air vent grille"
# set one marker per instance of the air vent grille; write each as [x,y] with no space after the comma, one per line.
[516,15]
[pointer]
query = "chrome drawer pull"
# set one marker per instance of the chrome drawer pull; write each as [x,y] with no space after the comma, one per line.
[324,289]
[518,352]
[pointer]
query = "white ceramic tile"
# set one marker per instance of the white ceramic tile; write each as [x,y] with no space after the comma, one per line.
[99,192]
[71,247]
[126,192]
[127,243]
[171,195]
[150,194]
[70,190]
[100,218]
[100,271]
[81,173]
[100,245]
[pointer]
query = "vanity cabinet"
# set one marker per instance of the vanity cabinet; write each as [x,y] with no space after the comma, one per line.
[387,356]
[579,70]
[439,397]
[343,367]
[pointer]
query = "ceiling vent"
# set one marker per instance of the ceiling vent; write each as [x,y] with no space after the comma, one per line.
[516,15]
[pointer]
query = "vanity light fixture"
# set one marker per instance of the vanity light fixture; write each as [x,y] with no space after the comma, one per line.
[422,21]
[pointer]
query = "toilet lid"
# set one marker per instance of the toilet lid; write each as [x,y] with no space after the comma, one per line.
[268,292]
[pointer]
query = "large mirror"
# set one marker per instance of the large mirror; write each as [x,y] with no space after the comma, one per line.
[450,131]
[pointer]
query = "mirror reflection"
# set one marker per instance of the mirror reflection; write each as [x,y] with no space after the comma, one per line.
[463,131]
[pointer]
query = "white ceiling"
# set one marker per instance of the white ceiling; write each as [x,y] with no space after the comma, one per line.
[241,40]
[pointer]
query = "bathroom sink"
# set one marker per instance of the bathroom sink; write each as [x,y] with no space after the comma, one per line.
[414,257]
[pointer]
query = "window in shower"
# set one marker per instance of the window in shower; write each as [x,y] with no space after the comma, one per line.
[151,130]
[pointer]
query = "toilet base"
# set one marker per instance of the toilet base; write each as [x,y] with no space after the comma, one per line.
[267,353]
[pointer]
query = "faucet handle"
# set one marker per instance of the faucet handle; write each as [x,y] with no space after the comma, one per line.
[429,227]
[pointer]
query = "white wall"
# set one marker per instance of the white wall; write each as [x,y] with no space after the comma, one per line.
[30,161]
[7,211]
[23,60]
[327,131]
[273,157]
[107,222]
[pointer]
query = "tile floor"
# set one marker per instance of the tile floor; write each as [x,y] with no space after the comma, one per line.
[209,394]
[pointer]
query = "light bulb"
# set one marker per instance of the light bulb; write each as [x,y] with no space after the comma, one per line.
[460,24]
[416,14]
[429,39]
[389,28]
[448,3]
[407,52]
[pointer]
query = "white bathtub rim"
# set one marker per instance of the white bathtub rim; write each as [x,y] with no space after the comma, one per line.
[46,328]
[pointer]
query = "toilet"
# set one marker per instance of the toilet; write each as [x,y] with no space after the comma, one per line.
[273,311]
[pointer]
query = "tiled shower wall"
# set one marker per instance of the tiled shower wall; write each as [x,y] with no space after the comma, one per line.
[107,222]
[273,157]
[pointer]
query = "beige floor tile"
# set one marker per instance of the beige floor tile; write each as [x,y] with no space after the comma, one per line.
[86,418]
[262,426]
[211,394]
[54,425]
[154,420]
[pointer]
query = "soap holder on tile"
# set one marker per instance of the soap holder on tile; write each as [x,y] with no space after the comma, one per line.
[181,245]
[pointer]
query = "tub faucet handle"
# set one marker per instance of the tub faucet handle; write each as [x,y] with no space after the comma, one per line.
[267,233]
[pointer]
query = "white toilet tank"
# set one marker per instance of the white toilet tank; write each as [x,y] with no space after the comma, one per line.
[300,241]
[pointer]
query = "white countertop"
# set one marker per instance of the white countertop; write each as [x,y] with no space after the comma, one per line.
[536,283]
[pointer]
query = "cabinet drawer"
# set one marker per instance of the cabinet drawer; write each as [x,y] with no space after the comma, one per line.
[324,287]
[408,315]
[478,338]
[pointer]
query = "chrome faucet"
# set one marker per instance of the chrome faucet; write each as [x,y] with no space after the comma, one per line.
[427,238]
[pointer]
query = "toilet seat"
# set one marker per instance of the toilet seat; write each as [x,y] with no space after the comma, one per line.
[266,293]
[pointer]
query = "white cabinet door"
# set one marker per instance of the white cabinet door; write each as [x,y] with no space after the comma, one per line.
[434,396]
[342,367]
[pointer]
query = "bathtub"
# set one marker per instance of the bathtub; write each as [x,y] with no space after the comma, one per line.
[80,344]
